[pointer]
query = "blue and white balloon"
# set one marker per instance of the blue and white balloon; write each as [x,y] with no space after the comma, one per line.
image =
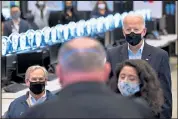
[54,35]
[88,28]
[59,29]
[117,20]
[110,19]
[93,26]
[100,25]
[38,38]
[23,41]
[72,29]
[46,33]
[65,33]
[14,38]
[80,28]
[4,45]
[30,38]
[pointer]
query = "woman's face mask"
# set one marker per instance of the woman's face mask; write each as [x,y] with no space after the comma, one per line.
[128,88]
[101,6]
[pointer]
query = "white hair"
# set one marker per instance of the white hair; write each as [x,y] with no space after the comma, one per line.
[134,14]
[33,68]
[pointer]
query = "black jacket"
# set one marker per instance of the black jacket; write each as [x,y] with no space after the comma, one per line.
[23,27]
[158,59]
[65,19]
[88,100]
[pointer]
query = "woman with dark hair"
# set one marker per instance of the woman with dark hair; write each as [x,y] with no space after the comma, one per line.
[69,13]
[100,9]
[137,79]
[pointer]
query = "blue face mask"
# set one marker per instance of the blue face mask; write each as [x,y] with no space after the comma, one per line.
[127,88]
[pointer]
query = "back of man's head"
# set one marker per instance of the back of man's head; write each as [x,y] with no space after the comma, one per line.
[82,59]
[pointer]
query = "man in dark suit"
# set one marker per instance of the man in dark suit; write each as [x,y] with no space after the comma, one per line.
[16,24]
[82,71]
[136,48]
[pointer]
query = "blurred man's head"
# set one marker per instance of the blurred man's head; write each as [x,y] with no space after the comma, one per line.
[15,12]
[68,3]
[134,28]
[82,59]
[36,79]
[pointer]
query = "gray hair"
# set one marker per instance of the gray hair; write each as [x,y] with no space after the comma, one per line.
[33,68]
[82,59]
[135,14]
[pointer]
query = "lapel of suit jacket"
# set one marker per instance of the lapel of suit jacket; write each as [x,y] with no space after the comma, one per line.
[20,26]
[124,53]
[146,54]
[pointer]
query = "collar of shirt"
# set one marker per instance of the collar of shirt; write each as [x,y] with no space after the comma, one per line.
[140,50]
[33,101]
[15,26]
[16,23]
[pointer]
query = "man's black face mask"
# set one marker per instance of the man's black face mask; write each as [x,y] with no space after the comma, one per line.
[133,38]
[37,87]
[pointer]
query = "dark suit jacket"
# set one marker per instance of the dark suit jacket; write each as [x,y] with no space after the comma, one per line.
[158,59]
[88,100]
[24,26]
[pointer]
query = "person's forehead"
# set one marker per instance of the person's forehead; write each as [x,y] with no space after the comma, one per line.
[128,70]
[68,2]
[100,2]
[133,20]
[15,9]
[37,72]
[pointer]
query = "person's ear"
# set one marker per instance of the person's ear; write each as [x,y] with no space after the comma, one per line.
[123,32]
[107,70]
[27,82]
[144,32]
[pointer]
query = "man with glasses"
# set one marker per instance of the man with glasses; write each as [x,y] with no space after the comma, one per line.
[136,48]
[36,79]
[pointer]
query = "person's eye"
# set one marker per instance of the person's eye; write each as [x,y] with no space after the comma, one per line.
[132,79]
[122,77]
[128,29]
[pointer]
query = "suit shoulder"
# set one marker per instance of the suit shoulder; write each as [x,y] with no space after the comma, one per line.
[18,100]
[117,48]
[7,22]
[158,51]
[24,21]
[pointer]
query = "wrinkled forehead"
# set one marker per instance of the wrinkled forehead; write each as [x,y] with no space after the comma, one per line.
[133,21]
[37,73]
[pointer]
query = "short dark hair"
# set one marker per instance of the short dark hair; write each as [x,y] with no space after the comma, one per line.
[150,86]
[12,6]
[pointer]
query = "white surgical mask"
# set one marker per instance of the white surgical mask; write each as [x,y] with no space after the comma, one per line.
[41,3]
[101,6]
